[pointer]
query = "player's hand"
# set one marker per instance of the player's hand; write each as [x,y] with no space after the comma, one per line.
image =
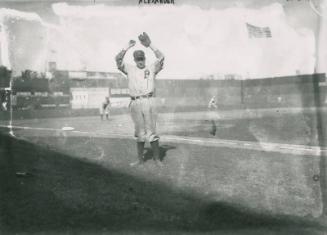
[131,43]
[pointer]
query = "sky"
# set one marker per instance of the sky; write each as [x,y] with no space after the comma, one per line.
[198,38]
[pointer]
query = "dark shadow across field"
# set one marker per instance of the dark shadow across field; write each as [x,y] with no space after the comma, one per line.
[63,194]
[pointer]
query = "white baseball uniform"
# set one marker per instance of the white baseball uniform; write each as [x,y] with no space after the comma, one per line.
[141,83]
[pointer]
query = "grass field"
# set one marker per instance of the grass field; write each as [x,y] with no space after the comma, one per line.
[80,181]
[285,126]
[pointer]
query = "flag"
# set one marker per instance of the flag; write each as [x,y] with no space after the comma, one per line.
[258,32]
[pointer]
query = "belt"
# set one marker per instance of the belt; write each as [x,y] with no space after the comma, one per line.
[142,96]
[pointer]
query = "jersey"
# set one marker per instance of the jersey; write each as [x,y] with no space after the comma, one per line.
[141,81]
[105,105]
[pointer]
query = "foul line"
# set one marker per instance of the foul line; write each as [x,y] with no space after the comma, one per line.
[258,146]
[235,144]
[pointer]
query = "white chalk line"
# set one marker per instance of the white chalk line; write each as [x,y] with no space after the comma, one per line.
[210,142]
[102,154]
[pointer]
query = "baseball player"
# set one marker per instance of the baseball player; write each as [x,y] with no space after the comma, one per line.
[212,103]
[4,100]
[105,108]
[211,106]
[141,83]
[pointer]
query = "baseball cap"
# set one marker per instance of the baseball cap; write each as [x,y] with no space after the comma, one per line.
[139,55]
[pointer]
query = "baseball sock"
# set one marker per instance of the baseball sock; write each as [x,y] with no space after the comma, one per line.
[155,149]
[140,150]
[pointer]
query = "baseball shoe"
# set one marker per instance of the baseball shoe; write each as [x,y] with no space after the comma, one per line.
[137,163]
[159,163]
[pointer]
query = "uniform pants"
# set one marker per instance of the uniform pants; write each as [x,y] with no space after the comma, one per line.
[104,111]
[144,115]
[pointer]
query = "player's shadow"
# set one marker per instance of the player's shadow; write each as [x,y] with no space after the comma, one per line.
[163,152]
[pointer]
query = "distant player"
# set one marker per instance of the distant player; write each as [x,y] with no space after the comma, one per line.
[4,100]
[213,106]
[212,103]
[141,83]
[105,108]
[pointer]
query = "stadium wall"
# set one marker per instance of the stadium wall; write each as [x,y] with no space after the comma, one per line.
[197,93]
[292,91]
[194,95]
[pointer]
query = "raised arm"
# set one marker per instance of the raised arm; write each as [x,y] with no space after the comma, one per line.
[146,41]
[160,56]
[120,57]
